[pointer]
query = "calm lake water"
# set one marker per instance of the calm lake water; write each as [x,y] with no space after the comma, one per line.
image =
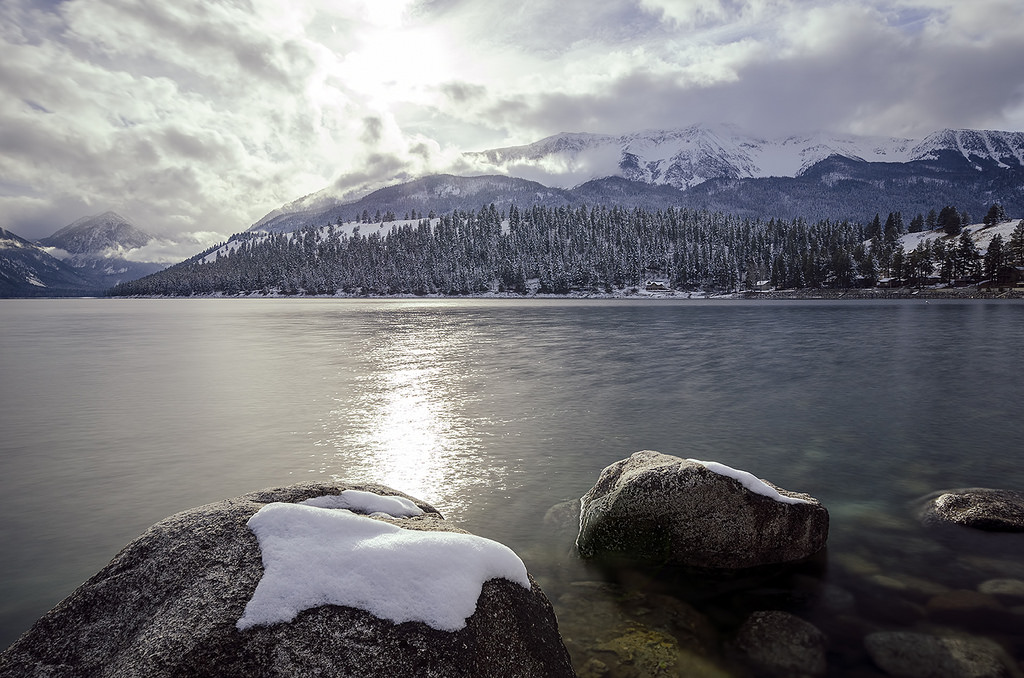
[117,413]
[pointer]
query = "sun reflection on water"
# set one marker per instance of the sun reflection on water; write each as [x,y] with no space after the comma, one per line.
[406,422]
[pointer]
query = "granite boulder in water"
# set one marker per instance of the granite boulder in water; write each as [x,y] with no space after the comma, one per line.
[980,508]
[660,509]
[180,600]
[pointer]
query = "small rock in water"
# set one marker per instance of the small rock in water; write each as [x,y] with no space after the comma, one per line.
[782,645]
[918,655]
[1007,590]
[980,508]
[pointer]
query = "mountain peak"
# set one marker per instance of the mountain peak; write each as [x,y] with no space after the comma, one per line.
[97,233]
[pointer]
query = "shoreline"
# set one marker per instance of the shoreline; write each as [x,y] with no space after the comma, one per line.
[802,294]
[808,294]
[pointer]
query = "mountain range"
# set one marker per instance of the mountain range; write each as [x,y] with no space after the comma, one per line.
[717,168]
[714,167]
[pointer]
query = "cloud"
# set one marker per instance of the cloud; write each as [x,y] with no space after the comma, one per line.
[203,115]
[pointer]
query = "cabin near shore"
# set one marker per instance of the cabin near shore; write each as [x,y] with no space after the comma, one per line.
[1009,278]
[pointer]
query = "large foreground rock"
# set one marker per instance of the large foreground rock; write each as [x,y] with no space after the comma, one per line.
[980,508]
[661,509]
[167,605]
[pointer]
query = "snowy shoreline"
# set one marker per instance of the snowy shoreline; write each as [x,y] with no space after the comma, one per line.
[807,294]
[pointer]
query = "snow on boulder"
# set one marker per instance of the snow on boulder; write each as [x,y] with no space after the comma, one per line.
[321,556]
[369,503]
[662,509]
[184,598]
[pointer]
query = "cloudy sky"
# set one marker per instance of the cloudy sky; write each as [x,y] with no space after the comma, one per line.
[200,116]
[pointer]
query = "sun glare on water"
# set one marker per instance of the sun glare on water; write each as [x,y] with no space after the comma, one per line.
[407,426]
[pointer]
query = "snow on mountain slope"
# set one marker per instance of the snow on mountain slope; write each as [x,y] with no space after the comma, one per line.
[980,233]
[347,228]
[684,157]
[97,233]
[1004,148]
[27,270]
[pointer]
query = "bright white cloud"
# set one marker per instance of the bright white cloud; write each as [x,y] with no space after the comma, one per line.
[204,115]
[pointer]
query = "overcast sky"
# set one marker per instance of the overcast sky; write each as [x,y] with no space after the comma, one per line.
[200,116]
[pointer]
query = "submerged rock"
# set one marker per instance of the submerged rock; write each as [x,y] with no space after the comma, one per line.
[919,655]
[782,645]
[662,509]
[980,508]
[168,605]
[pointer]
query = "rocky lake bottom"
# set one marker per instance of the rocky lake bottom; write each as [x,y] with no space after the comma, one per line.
[882,573]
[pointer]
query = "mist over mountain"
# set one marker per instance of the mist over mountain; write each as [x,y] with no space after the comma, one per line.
[99,247]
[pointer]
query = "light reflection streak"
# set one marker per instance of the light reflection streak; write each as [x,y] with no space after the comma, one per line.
[407,424]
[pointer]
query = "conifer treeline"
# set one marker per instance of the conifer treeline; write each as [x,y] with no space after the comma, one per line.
[564,249]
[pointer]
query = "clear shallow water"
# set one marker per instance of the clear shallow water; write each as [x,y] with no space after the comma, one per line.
[115,414]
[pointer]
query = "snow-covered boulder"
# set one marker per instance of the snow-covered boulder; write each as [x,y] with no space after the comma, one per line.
[300,581]
[981,508]
[657,508]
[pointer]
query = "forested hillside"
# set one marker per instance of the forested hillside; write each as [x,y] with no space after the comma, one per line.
[563,250]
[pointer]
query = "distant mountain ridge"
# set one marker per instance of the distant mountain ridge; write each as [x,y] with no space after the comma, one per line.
[686,157]
[27,270]
[716,167]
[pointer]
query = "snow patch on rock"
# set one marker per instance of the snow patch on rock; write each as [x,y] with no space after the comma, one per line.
[369,503]
[315,556]
[749,481]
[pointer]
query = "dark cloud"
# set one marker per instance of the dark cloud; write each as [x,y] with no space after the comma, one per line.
[373,130]
[463,92]
[856,79]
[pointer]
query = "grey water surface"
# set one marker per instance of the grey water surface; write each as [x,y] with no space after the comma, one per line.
[117,413]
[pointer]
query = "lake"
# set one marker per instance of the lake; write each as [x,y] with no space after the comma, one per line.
[117,413]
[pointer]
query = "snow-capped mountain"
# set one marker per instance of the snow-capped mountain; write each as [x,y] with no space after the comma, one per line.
[685,157]
[99,247]
[27,270]
[98,233]
[1006,149]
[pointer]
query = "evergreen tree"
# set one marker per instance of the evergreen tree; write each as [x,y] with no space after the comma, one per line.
[1015,246]
[967,256]
[996,215]
[995,257]
[949,220]
[921,263]
[875,228]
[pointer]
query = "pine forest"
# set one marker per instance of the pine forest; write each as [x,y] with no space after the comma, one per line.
[563,250]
